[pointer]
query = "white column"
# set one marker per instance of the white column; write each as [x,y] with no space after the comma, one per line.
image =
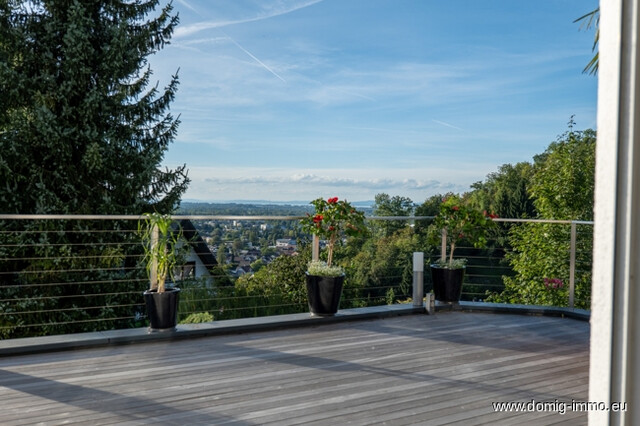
[615,321]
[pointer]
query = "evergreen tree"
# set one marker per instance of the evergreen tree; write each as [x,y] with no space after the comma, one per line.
[82,131]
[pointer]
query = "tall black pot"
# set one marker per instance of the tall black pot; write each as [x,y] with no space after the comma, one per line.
[447,283]
[323,294]
[162,309]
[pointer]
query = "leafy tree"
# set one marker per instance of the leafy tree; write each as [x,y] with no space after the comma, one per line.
[82,131]
[236,246]
[385,205]
[257,265]
[563,180]
[221,257]
[562,188]
[277,288]
[385,263]
[505,192]
[430,207]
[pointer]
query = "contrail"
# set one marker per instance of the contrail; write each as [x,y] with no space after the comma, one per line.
[448,125]
[254,58]
[188,6]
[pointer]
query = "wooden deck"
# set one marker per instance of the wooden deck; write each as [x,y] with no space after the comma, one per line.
[443,369]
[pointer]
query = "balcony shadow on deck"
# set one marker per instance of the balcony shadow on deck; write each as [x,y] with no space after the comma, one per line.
[32,345]
[128,408]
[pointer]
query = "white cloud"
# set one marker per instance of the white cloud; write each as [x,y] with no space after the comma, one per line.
[277,184]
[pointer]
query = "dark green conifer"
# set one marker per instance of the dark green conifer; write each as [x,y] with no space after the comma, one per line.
[82,129]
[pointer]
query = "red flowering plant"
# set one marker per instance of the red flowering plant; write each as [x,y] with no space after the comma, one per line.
[333,219]
[460,222]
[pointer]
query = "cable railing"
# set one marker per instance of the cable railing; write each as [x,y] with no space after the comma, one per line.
[63,274]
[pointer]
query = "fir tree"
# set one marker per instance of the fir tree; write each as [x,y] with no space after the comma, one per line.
[83,130]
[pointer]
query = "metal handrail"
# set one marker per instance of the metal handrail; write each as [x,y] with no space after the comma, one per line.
[481,276]
[268,217]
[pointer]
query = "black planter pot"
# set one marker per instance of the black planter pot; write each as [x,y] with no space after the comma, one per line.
[323,294]
[447,283]
[162,309]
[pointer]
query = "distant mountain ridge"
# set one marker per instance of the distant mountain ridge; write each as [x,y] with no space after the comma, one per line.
[270,202]
[255,208]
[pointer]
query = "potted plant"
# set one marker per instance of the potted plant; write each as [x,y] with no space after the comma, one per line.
[333,219]
[457,222]
[161,256]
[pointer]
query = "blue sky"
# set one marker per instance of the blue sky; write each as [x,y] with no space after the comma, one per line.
[294,99]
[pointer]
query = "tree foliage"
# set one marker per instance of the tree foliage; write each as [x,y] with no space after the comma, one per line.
[505,192]
[562,187]
[385,263]
[83,130]
[563,180]
[282,281]
[385,205]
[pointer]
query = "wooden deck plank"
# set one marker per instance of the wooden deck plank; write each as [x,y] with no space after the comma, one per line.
[402,370]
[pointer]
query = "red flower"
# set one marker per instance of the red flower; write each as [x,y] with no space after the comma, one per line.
[455,208]
[318,218]
[332,200]
[492,215]
[553,283]
[331,228]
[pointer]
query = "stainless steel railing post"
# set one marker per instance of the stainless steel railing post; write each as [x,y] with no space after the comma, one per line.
[418,278]
[572,265]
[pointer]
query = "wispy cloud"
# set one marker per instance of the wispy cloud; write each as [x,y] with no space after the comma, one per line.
[447,125]
[310,186]
[211,182]
[188,6]
[268,11]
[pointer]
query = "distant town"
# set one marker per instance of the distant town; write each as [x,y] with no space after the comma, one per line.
[245,246]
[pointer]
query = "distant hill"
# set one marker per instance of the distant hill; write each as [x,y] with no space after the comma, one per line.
[249,208]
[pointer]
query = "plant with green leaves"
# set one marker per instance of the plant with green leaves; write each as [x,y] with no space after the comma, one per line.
[589,20]
[322,269]
[162,251]
[333,219]
[562,188]
[459,222]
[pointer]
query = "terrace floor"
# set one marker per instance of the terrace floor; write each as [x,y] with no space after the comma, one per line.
[446,368]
